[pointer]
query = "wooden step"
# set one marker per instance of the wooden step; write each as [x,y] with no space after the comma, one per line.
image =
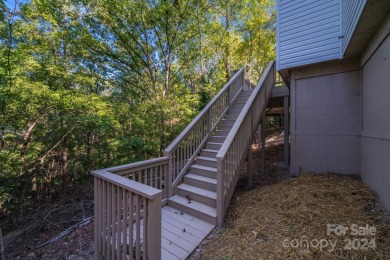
[246,92]
[197,194]
[206,161]
[232,116]
[227,122]
[196,209]
[217,139]
[201,182]
[214,146]
[238,105]
[209,153]
[221,133]
[234,110]
[224,128]
[239,102]
[204,171]
[241,99]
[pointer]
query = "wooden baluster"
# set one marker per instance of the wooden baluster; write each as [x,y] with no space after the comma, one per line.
[97,216]
[105,211]
[113,219]
[131,225]
[138,228]
[109,220]
[119,209]
[124,223]
[145,219]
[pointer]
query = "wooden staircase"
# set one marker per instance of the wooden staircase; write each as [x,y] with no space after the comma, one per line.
[197,195]
[163,208]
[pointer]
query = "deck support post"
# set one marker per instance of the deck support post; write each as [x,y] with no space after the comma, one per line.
[263,143]
[249,164]
[286,131]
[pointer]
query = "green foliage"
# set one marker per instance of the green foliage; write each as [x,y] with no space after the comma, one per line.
[92,84]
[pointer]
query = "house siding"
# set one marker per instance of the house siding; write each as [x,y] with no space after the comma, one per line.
[325,126]
[375,144]
[307,32]
[351,12]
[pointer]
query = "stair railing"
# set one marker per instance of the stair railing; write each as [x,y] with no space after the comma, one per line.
[127,218]
[128,198]
[184,149]
[232,154]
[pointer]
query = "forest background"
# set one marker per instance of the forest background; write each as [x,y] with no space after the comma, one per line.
[97,83]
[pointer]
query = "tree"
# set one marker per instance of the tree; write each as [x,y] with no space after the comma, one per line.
[95,83]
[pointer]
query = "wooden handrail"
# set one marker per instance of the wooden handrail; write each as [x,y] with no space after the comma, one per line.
[186,130]
[123,169]
[127,184]
[184,149]
[225,146]
[233,151]
[127,222]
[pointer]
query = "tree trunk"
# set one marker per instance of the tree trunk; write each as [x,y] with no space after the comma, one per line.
[64,163]
[227,47]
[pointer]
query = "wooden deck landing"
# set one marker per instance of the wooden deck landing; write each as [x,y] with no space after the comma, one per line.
[181,233]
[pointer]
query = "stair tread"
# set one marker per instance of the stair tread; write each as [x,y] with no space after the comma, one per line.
[205,209]
[210,150]
[207,158]
[197,190]
[202,178]
[220,136]
[214,143]
[206,168]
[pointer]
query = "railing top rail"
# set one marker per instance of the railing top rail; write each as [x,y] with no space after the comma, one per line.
[130,185]
[229,139]
[202,113]
[140,164]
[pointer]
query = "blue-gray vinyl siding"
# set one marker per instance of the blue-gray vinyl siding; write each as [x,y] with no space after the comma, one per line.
[308,31]
[351,12]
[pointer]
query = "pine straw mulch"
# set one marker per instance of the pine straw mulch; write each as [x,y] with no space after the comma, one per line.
[261,219]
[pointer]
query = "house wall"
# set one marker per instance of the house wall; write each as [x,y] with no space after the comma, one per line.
[350,13]
[307,32]
[375,136]
[325,118]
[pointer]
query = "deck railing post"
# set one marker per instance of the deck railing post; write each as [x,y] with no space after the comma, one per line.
[249,156]
[286,131]
[154,228]
[220,195]
[169,173]
[263,143]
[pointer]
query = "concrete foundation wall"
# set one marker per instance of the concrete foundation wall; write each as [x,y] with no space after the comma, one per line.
[375,136]
[325,118]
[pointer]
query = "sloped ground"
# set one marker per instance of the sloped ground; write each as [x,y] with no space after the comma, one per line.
[264,222]
[283,218]
[67,221]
